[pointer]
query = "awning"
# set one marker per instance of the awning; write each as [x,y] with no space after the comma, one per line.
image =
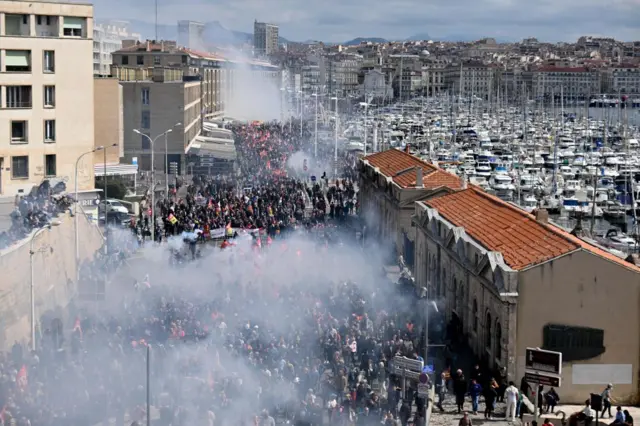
[73,22]
[205,146]
[115,169]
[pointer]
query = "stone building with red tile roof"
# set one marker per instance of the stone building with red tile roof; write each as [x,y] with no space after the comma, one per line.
[389,184]
[508,280]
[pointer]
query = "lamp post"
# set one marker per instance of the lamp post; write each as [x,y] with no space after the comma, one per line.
[300,103]
[32,287]
[166,161]
[77,233]
[335,143]
[153,180]
[366,115]
[104,176]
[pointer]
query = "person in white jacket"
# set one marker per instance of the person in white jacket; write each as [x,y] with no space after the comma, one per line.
[511,394]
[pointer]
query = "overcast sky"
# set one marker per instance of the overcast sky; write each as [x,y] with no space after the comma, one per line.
[341,20]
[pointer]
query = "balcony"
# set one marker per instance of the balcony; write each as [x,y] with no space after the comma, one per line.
[155,74]
[18,97]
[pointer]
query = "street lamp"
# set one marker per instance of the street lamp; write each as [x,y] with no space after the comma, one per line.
[335,143]
[32,287]
[104,177]
[366,114]
[315,143]
[77,233]
[166,160]
[153,180]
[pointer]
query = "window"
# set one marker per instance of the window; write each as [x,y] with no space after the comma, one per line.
[49,61]
[487,331]
[18,60]
[19,132]
[25,19]
[575,343]
[145,96]
[72,26]
[20,167]
[49,130]
[145,121]
[50,165]
[498,352]
[125,60]
[475,315]
[156,60]
[18,96]
[49,96]
[145,142]
[140,60]
[39,19]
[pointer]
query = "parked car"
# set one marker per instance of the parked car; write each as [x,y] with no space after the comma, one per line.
[113,206]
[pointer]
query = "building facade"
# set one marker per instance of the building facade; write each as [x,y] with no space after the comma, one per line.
[166,87]
[389,184]
[569,82]
[190,34]
[107,38]
[265,39]
[46,94]
[508,280]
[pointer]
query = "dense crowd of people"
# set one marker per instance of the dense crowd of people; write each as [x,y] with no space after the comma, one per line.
[34,210]
[255,335]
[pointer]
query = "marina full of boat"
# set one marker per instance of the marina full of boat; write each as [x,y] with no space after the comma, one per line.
[581,163]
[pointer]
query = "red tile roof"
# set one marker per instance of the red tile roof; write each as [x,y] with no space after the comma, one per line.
[501,227]
[400,166]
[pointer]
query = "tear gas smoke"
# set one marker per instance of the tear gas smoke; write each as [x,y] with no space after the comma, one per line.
[267,304]
[254,95]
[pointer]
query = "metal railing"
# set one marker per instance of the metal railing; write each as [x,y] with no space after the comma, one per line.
[157,74]
[18,105]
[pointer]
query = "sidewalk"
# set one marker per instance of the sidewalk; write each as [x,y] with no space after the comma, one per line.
[569,409]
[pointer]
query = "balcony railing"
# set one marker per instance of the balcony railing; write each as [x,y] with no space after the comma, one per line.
[16,105]
[155,74]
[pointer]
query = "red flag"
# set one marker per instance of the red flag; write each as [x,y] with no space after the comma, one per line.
[21,378]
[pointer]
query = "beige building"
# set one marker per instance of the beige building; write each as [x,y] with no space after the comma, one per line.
[46,93]
[169,87]
[509,280]
[108,119]
[389,184]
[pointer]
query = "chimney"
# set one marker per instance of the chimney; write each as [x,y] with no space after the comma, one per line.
[542,215]
[148,44]
[419,179]
[463,181]
[407,147]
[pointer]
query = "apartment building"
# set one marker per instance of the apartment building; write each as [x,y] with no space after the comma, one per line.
[622,78]
[190,34]
[265,39]
[471,79]
[571,82]
[166,87]
[433,78]
[46,94]
[107,38]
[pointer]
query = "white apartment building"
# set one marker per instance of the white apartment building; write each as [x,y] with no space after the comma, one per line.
[46,94]
[265,38]
[625,79]
[572,82]
[107,38]
[190,34]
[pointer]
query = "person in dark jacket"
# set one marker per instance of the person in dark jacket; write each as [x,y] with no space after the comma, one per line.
[460,389]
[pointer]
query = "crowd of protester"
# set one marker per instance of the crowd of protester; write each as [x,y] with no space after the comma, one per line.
[34,210]
[234,350]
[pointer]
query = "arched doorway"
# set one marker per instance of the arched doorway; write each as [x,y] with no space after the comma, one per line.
[498,350]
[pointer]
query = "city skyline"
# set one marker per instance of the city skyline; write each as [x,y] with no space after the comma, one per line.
[336,22]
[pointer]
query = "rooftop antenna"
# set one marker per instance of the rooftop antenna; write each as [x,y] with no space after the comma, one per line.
[156,25]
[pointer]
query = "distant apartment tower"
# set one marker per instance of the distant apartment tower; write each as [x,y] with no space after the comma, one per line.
[190,34]
[265,38]
[107,38]
[46,94]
